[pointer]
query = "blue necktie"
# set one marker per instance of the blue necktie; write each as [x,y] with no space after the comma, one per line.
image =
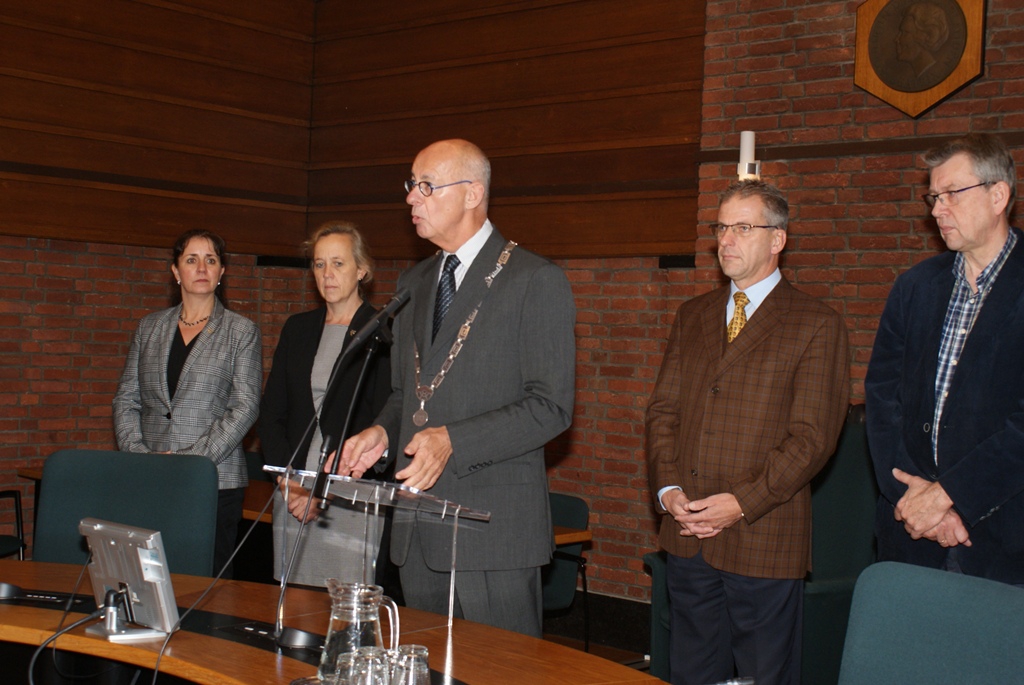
[445,291]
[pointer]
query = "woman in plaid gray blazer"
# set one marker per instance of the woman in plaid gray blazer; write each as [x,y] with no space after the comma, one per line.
[192,380]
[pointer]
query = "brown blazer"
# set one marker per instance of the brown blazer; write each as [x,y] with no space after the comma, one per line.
[757,417]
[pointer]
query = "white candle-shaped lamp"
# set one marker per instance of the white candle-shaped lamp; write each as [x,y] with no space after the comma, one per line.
[748,168]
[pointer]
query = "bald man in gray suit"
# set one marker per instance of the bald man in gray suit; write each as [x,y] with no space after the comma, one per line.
[474,434]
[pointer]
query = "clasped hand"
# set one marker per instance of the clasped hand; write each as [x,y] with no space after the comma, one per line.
[702,518]
[927,512]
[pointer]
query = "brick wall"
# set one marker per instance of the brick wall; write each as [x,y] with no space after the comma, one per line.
[67,312]
[783,68]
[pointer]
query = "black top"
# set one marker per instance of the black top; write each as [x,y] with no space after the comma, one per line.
[176,360]
[287,405]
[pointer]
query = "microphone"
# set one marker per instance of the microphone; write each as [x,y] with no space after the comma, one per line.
[320,485]
[400,298]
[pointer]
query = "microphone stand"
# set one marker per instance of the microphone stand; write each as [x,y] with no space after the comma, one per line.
[321,484]
[293,637]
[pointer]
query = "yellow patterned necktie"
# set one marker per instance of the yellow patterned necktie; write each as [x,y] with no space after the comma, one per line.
[739,317]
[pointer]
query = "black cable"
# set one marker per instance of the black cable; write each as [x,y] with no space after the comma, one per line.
[177,626]
[35,655]
[64,616]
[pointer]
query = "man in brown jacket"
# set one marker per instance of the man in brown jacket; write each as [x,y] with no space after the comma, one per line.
[747,408]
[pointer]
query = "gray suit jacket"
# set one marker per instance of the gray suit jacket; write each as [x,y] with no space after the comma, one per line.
[509,392]
[217,399]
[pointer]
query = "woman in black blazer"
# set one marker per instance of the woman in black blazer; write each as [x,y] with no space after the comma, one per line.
[332,544]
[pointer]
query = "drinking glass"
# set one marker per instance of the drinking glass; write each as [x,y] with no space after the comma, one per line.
[411,666]
[370,666]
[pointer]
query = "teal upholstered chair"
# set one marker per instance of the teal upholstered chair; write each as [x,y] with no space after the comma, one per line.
[920,626]
[843,499]
[172,493]
[254,467]
[14,544]
[558,578]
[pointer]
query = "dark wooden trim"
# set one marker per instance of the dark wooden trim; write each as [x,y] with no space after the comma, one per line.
[282,262]
[45,172]
[677,261]
[888,146]
[654,188]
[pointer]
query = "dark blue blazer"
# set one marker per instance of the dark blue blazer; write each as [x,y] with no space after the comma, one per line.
[981,436]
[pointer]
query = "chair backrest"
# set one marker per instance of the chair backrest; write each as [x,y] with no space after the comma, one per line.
[558,579]
[843,499]
[917,626]
[660,619]
[13,544]
[172,493]
[254,467]
[569,511]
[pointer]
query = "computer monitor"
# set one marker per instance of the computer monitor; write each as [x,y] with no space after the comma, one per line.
[130,561]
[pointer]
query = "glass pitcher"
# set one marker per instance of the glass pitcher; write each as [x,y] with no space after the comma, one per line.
[355,622]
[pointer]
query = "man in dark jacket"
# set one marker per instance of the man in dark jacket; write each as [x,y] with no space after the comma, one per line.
[945,387]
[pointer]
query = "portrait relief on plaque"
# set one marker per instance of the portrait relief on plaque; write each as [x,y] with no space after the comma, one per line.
[915,45]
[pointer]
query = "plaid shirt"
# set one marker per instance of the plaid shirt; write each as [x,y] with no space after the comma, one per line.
[962,312]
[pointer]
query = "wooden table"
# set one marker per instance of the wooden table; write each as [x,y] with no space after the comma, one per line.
[475,654]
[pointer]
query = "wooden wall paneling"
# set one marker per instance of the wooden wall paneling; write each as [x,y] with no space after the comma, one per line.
[630,224]
[359,181]
[521,81]
[91,64]
[657,117]
[455,36]
[336,17]
[131,118]
[590,114]
[387,228]
[520,173]
[197,105]
[77,154]
[103,213]
[651,189]
[135,120]
[641,167]
[288,17]
[572,226]
[177,30]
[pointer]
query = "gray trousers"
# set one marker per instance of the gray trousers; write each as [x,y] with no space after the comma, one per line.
[510,599]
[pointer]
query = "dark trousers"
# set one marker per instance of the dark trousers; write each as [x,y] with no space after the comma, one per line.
[510,599]
[724,624]
[229,513]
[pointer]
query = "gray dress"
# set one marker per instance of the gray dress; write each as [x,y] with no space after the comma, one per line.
[343,541]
